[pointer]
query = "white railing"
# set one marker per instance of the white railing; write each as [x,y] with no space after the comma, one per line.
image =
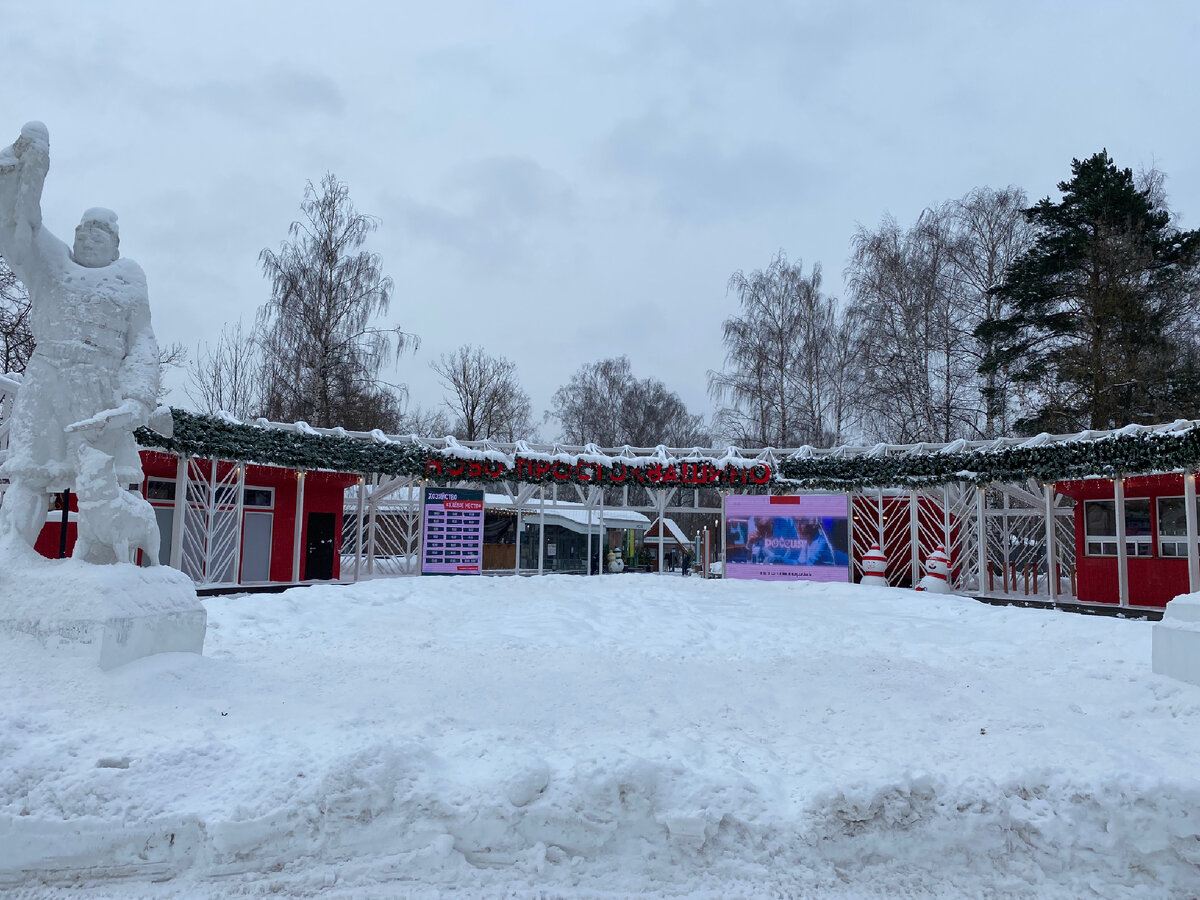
[9,385]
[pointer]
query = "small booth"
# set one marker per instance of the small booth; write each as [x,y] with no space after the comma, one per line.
[664,538]
[239,524]
[1154,522]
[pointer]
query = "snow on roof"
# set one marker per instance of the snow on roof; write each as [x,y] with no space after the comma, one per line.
[577,519]
[727,456]
[572,515]
[674,532]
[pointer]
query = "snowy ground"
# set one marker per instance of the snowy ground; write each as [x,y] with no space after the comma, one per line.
[633,735]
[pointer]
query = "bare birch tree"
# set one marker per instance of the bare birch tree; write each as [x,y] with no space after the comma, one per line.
[653,414]
[918,384]
[918,295]
[844,378]
[989,233]
[423,422]
[227,377]
[605,404]
[588,407]
[323,349]
[16,337]
[776,387]
[486,398]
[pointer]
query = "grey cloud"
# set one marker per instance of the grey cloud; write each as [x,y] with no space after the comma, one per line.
[466,68]
[103,78]
[304,91]
[736,39]
[272,94]
[513,188]
[485,209]
[696,177]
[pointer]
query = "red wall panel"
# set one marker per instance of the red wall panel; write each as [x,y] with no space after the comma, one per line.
[1153,581]
[323,492]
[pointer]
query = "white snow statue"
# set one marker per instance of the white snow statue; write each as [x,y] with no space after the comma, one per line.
[874,567]
[615,563]
[109,515]
[92,379]
[937,573]
[93,375]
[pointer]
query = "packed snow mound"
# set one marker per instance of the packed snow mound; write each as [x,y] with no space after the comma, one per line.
[44,592]
[625,735]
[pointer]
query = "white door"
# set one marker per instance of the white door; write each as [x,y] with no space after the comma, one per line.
[256,547]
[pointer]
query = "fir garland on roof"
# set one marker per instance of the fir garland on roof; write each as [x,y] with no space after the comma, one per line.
[216,438]
[1129,454]
[1119,454]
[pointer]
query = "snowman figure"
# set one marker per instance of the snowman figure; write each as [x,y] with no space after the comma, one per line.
[937,573]
[874,567]
[615,563]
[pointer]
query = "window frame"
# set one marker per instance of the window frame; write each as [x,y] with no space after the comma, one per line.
[1105,545]
[226,494]
[254,506]
[1179,542]
[160,501]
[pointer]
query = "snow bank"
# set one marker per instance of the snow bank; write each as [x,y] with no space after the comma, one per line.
[613,736]
[1176,648]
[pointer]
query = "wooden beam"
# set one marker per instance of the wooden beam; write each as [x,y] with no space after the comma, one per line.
[1122,553]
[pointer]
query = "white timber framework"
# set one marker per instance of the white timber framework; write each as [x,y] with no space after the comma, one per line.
[381,530]
[8,392]
[1012,539]
[999,537]
[1006,540]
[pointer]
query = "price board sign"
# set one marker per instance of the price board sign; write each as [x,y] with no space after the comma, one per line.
[452,532]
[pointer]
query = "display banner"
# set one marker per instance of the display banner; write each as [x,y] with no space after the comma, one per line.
[802,537]
[452,532]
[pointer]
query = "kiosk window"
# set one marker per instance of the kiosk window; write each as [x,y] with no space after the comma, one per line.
[1100,527]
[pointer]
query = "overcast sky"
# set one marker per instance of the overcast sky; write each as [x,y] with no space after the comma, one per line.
[561,182]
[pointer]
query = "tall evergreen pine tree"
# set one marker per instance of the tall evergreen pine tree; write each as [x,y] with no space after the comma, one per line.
[1102,305]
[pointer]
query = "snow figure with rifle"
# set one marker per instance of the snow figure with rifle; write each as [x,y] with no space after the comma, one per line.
[93,376]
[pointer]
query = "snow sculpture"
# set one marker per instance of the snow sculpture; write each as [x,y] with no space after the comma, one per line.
[616,564]
[874,566]
[92,379]
[93,376]
[937,573]
[109,515]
